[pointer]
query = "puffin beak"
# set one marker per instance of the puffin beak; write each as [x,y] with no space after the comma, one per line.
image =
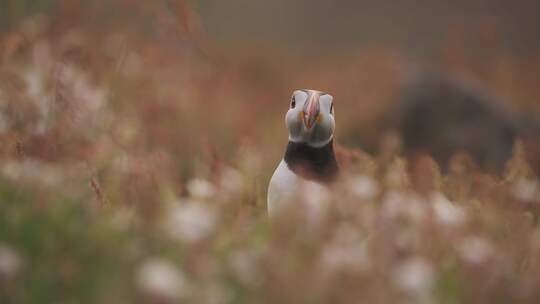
[311,111]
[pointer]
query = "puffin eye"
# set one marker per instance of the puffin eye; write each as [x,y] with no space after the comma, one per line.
[293,102]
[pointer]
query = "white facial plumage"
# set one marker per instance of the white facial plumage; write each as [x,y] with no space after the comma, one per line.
[310,118]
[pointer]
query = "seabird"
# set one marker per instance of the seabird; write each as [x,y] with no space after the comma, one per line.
[309,161]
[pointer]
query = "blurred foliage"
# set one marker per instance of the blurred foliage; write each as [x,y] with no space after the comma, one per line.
[135,155]
[12,11]
[68,254]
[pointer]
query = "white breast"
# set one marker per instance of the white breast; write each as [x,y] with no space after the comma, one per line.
[287,188]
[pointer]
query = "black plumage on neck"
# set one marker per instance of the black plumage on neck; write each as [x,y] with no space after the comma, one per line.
[313,163]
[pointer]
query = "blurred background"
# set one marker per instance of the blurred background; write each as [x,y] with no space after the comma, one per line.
[137,139]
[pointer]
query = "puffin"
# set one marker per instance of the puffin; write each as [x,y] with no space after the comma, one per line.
[309,161]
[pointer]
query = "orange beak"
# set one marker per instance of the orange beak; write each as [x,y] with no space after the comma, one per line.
[311,111]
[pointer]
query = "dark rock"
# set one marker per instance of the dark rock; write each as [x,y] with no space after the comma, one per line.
[442,116]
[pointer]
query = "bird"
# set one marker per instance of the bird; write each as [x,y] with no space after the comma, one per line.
[309,161]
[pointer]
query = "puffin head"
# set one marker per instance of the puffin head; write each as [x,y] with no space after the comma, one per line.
[310,119]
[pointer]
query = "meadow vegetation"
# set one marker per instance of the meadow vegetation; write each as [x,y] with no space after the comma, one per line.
[135,156]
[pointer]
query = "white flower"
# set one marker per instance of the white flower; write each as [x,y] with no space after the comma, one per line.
[415,277]
[231,180]
[475,250]
[89,97]
[200,188]
[526,189]
[347,251]
[161,278]
[35,79]
[190,221]
[403,204]
[363,187]
[10,262]
[244,264]
[447,213]
[32,170]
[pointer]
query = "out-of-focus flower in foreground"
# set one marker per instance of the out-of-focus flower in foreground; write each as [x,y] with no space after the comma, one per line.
[10,262]
[475,250]
[160,278]
[363,187]
[190,221]
[446,212]
[231,181]
[415,277]
[526,189]
[30,170]
[35,79]
[346,252]
[200,188]
[245,266]
[403,205]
